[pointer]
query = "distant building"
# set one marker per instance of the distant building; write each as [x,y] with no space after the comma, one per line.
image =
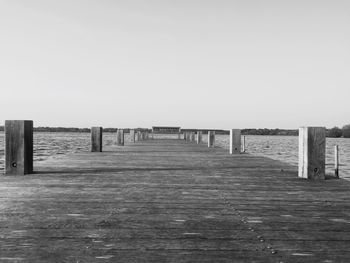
[165,129]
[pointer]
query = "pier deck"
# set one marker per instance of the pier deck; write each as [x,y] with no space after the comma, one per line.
[171,201]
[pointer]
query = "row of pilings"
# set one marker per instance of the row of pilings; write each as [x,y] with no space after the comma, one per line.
[19,146]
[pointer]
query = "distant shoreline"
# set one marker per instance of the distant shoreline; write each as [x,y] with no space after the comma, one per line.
[278,132]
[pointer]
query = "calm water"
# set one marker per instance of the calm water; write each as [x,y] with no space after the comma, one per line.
[284,148]
[52,145]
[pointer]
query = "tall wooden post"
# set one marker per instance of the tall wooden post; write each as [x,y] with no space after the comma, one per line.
[235,141]
[138,136]
[132,135]
[312,152]
[120,137]
[211,138]
[199,137]
[179,136]
[96,139]
[18,147]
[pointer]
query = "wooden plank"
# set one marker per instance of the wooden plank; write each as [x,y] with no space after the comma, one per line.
[173,202]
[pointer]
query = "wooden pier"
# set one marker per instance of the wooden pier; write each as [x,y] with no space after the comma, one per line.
[171,201]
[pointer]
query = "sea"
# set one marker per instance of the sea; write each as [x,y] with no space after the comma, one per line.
[284,148]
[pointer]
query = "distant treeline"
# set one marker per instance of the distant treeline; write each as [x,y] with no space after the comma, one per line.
[250,131]
[71,129]
[334,132]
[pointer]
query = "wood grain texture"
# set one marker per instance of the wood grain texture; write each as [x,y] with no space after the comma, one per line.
[235,141]
[312,152]
[18,147]
[96,139]
[172,201]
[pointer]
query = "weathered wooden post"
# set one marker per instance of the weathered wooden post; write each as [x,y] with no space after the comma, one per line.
[120,137]
[312,152]
[132,135]
[336,161]
[179,136]
[96,139]
[235,141]
[138,136]
[243,145]
[211,138]
[193,137]
[199,137]
[18,147]
[187,136]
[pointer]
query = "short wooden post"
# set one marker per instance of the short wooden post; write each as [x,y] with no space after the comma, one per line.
[312,152]
[211,138]
[193,137]
[243,144]
[138,136]
[179,136]
[199,137]
[132,135]
[18,147]
[96,139]
[336,161]
[235,141]
[120,137]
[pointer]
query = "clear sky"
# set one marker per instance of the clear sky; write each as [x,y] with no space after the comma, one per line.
[192,63]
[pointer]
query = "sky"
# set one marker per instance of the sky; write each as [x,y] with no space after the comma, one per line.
[192,63]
